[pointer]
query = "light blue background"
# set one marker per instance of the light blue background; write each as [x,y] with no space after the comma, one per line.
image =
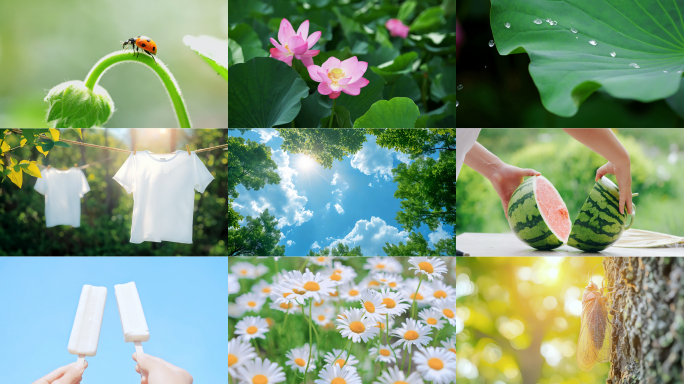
[184,299]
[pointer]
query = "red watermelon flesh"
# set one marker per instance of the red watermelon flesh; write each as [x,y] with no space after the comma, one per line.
[553,209]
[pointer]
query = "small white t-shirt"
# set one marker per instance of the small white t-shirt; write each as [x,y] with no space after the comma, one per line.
[63,191]
[163,187]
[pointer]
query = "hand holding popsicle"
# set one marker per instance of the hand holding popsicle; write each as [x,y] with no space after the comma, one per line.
[68,374]
[157,371]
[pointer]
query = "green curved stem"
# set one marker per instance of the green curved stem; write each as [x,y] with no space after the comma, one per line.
[413,312]
[159,68]
[333,113]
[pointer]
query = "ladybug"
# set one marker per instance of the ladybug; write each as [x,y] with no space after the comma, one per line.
[142,42]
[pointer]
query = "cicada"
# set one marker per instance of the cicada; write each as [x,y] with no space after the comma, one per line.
[596,330]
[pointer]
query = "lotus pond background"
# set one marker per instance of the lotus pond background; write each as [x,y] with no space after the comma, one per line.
[498,90]
[521,320]
[418,75]
[657,157]
[44,43]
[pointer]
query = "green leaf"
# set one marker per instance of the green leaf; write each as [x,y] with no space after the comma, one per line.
[400,112]
[235,55]
[264,92]
[391,71]
[312,111]
[429,20]
[405,86]
[443,88]
[340,120]
[567,68]
[406,10]
[44,148]
[62,144]
[360,104]
[248,40]
[213,50]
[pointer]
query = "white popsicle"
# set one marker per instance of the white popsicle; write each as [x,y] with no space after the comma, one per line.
[131,313]
[86,331]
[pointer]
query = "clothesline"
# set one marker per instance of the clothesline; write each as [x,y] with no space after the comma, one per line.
[123,150]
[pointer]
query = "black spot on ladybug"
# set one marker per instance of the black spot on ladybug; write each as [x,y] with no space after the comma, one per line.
[154,48]
[148,40]
[143,44]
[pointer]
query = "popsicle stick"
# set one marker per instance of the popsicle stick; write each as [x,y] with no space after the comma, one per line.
[81,359]
[138,348]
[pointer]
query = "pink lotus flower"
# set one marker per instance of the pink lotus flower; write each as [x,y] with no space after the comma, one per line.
[397,28]
[295,44]
[336,77]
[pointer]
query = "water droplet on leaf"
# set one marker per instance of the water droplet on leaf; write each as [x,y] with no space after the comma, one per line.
[573,30]
[613,54]
[665,71]
[592,42]
[491,43]
[457,103]
[538,21]
[634,65]
[460,86]
[507,25]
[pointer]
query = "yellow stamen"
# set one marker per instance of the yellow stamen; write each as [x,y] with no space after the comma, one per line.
[335,75]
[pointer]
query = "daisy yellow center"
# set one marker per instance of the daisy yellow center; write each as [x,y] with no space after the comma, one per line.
[380,266]
[252,330]
[448,313]
[335,74]
[321,259]
[300,362]
[297,291]
[285,305]
[338,271]
[425,266]
[392,284]
[384,352]
[259,379]
[340,362]
[232,359]
[440,294]
[312,286]
[389,303]
[318,304]
[357,327]
[416,296]
[435,363]
[369,306]
[452,350]
[266,290]
[400,382]
[380,325]
[373,283]
[251,304]
[270,322]
[335,277]
[411,335]
[338,380]
[353,292]
[321,317]
[286,294]
[431,321]
[243,272]
[333,294]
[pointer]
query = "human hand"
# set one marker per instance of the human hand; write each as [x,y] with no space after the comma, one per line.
[157,371]
[624,178]
[506,179]
[68,374]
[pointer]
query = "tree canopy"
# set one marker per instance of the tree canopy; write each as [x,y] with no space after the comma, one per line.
[340,250]
[323,145]
[258,237]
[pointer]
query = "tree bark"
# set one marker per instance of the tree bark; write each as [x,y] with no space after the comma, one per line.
[648,320]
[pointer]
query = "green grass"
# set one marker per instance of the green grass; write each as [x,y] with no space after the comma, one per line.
[295,333]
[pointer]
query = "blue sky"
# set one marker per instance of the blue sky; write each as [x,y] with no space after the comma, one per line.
[352,203]
[184,300]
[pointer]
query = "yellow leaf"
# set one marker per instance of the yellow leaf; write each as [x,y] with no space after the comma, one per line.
[55,134]
[5,147]
[23,142]
[2,162]
[16,177]
[40,149]
[33,170]
[79,132]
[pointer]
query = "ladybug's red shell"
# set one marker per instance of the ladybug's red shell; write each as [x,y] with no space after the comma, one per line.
[146,44]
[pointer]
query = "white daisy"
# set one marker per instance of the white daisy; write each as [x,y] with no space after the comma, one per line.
[321,260]
[447,307]
[352,293]
[299,357]
[432,267]
[322,315]
[384,354]
[250,301]
[432,318]
[306,285]
[233,284]
[371,301]
[251,327]
[321,302]
[369,282]
[340,273]
[355,325]
[333,374]
[449,344]
[239,352]
[410,333]
[285,305]
[383,324]
[435,364]
[424,295]
[235,311]
[261,372]
[391,280]
[394,375]
[351,362]
[262,288]
[243,270]
[395,303]
[383,264]
[442,291]
[260,270]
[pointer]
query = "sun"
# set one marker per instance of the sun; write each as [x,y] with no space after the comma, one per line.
[306,162]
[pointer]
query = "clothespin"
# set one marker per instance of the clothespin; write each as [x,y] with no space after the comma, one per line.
[135,150]
[188,148]
[49,166]
[75,165]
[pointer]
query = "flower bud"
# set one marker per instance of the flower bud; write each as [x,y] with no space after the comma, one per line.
[73,105]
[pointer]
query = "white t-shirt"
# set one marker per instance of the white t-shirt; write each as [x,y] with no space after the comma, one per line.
[63,191]
[465,139]
[163,187]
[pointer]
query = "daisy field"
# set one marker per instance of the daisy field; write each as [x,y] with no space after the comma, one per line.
[337,320]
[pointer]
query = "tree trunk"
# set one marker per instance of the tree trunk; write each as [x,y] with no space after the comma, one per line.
[648,320]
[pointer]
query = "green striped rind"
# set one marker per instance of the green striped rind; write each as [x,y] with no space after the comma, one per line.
[599,223]
[526,221]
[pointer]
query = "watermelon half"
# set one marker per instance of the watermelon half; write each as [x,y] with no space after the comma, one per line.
[537,214]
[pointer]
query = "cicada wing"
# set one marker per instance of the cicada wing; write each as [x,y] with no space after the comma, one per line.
[603,353]
[586,353]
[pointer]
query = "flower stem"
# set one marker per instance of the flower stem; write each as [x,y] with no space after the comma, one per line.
[256,346]
[413,312]
[304,265]
[435,339]
[387,339]
[159,68]
[348,354]
[409,370]
[275,260]
[345,347]
[306,370]
[332,114]
[230,379]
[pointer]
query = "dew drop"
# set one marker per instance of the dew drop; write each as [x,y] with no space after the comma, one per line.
[460,86]
[491,43]
[679,71]
[554,22]
[507,25]
[634,65]
[457,103]
[573,30]
[613,54]
[485,67]
[664,71]
[592,42]
[538,21]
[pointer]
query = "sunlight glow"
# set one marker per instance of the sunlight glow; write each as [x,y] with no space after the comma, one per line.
[306,162]
[552,273]
[163,130]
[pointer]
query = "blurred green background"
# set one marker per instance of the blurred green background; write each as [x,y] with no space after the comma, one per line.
[44,43]
[520,320]
[498,91]
[106,211]
[657,156]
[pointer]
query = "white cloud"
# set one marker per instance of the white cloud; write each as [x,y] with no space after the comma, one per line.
[282,200]
[266,134]
[282,235]
[290,243]
[315,245]
[371,236]
[339,209]
[373,160]
[346,186]
[334,180]
[403,157]
[327,206]
[337,190]
[438,235]
[370,185]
